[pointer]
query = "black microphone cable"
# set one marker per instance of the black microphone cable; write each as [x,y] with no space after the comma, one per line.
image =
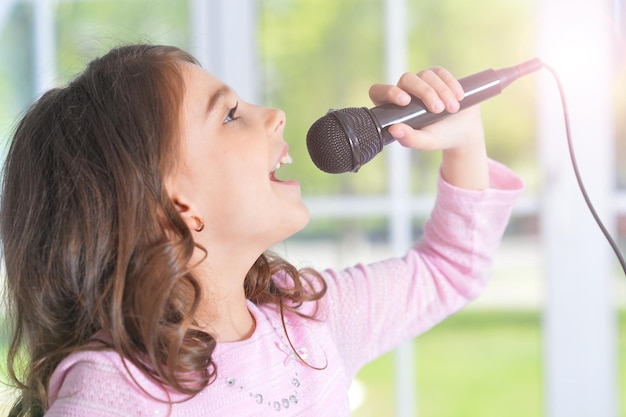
[581,185]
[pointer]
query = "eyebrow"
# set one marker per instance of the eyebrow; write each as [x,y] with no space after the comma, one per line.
[216,97]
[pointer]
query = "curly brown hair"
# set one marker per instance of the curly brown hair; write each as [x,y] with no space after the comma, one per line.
[91,240]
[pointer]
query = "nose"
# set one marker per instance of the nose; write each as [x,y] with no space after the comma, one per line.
[276,120]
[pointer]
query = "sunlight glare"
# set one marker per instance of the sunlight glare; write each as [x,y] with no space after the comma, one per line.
[576,38]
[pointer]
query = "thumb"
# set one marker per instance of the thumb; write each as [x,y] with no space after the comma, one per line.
[408,137]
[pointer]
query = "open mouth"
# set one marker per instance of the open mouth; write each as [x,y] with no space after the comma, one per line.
[286,159]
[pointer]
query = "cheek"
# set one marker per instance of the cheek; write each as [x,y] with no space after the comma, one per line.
[231,183]
[230,192]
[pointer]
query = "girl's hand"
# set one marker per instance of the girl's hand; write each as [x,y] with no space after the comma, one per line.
[460,136]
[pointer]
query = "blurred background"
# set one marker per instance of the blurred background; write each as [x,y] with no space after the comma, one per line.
[549,335]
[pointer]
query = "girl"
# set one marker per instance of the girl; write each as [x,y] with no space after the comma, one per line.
[138,205]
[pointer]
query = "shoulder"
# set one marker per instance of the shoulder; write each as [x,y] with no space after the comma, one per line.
[86,364]
[101,382]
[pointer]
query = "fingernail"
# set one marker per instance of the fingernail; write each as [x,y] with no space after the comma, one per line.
[397,133]
[404,98]
[453,105]
[438,106]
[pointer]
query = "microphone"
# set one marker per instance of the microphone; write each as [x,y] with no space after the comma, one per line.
[343,140]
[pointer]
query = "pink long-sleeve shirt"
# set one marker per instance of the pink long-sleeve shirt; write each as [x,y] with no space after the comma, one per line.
[368,310]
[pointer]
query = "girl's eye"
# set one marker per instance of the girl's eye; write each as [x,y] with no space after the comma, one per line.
[232,114]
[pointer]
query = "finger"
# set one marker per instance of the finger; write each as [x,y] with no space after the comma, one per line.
[440,135]
[433,91]
[450,81]
[408,137]
[445,86]
[436,87]
[385,93]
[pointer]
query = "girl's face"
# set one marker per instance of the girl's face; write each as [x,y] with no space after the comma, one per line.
[230,151]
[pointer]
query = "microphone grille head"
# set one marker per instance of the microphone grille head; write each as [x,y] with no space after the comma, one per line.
[343,140]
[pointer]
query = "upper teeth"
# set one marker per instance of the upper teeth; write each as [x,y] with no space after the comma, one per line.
[284,160]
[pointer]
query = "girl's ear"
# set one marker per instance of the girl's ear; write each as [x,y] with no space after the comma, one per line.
[183,202]
[192,219]
[181,207]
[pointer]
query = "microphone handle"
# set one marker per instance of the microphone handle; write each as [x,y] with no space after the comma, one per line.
[477,87]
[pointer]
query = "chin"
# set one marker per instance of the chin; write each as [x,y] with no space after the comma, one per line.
[306,216]
[298,220]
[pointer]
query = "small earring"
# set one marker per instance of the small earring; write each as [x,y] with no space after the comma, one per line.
[199,224]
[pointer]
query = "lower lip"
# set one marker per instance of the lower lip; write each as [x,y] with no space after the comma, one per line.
[276,180]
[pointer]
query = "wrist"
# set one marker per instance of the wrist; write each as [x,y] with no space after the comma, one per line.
[466,166]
